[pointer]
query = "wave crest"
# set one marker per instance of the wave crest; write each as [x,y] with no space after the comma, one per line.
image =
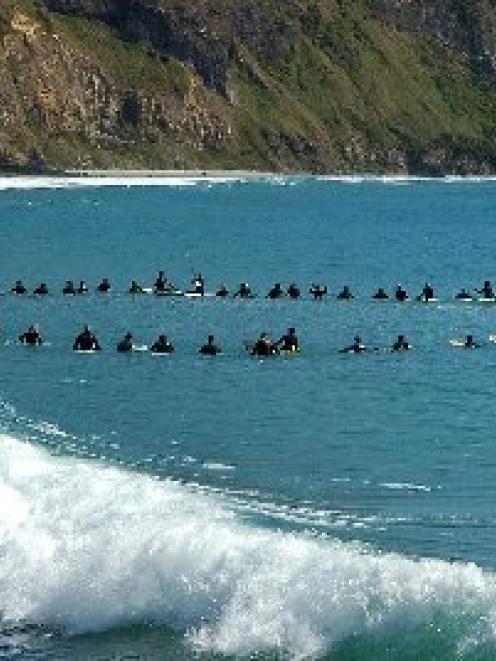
[85,547]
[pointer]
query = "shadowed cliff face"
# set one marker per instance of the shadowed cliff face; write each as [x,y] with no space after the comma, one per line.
[204,33]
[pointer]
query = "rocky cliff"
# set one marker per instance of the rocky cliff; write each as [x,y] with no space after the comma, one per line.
[316,85]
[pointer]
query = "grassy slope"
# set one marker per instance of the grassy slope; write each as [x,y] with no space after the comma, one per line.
[347,78]
[358,78]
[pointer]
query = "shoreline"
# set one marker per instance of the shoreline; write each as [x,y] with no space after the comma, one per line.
[198,175]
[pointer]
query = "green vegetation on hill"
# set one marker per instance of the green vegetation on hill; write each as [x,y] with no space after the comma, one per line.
[319,86]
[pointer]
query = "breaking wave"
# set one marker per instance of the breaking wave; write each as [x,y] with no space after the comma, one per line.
[85,547]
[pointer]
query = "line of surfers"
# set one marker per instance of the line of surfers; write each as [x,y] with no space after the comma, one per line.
[87,341]
[164,287]
[264,346]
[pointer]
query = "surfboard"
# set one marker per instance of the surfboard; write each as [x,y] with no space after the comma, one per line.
[139,348]
[422,299]
[169,293]
[194,294]
[86,351]
[459,344]
[290,352]
[483,299]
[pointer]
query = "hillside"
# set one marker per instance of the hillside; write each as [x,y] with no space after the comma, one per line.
[314,85]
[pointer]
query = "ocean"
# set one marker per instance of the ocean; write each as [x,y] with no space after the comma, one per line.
[317,506]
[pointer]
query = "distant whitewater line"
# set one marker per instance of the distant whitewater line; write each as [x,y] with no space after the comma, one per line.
[157,178]
[154,551]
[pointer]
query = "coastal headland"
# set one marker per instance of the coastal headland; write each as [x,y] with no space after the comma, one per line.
[376,86]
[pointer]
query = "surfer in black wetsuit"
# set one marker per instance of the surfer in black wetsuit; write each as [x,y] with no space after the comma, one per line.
[487,290]
[126,344]
[41,290]
[318,291]
[276,291]
[401,344]
[427,293]
[244,291]
[356,347]
[83,287]
[86,341]
[222,291]
[19,288]
[345,294]
[31,337]
[294,290]
[289,341]
[135,288]
[263,346]
[198,283]
[210,349]
[162,284]
[162,345]
[380,295]
[104,286]
[69,288]
[470,343]
[400,294]
[463,294]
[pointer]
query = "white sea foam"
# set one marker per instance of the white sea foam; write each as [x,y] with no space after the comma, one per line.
[42,182]
[85,547]
[26,182]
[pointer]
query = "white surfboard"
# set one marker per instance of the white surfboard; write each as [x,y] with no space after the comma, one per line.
[459,344]
[140,348]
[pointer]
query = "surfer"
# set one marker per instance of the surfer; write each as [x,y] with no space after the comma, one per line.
[41,290]
[32,337]
[104,286]
[470,343]
[222,291]
[126,344]
[244,291]
[345,294]
[294,290]
[19,288]
[264,346]
[162,345]
[487,290]
[210,349]
[198,285]
[69,288]
[86,341]
[318,291]
[289,341]
[401,344]
[380,295]
[427,293]
[276,291]
[162,284]
[82,288]
[400,294]
[356,347]
[135,288]
[463,295]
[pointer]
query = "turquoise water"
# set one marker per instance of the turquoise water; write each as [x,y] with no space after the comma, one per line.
[322,506]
